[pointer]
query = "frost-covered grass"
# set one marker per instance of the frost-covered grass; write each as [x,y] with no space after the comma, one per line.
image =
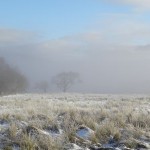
[106,115]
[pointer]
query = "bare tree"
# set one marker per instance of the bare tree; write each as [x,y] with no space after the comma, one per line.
[43,86]
[65,80]
[11,79]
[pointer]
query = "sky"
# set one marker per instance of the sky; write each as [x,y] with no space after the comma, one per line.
[106,41]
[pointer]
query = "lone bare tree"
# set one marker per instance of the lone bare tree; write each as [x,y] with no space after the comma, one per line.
[65,80]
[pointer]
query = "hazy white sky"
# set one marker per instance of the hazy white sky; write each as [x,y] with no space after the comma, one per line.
[106,41]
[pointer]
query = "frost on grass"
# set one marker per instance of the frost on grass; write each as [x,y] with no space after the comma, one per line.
[83,121]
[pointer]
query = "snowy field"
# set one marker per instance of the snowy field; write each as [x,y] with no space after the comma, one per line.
[74,122]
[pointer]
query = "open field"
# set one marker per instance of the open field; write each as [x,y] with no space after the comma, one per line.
[74,122]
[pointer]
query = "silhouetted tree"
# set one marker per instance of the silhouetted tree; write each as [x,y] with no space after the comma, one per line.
[11,80]
[65,80]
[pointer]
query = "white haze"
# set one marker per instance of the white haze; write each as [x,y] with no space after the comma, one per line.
[112,57]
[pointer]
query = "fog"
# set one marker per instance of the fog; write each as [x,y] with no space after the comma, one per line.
[109,59]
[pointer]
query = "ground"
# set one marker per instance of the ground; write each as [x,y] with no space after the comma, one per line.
[74,122]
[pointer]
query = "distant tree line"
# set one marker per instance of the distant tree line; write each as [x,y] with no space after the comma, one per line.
[63,81]
[11,80]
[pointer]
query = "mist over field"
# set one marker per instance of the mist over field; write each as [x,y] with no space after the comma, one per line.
[75,75]
[106,42]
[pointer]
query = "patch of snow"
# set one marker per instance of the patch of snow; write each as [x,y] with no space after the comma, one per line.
[111,146]
[53,133]
[4,125]
[16,147]
[84,132]
[72,146]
